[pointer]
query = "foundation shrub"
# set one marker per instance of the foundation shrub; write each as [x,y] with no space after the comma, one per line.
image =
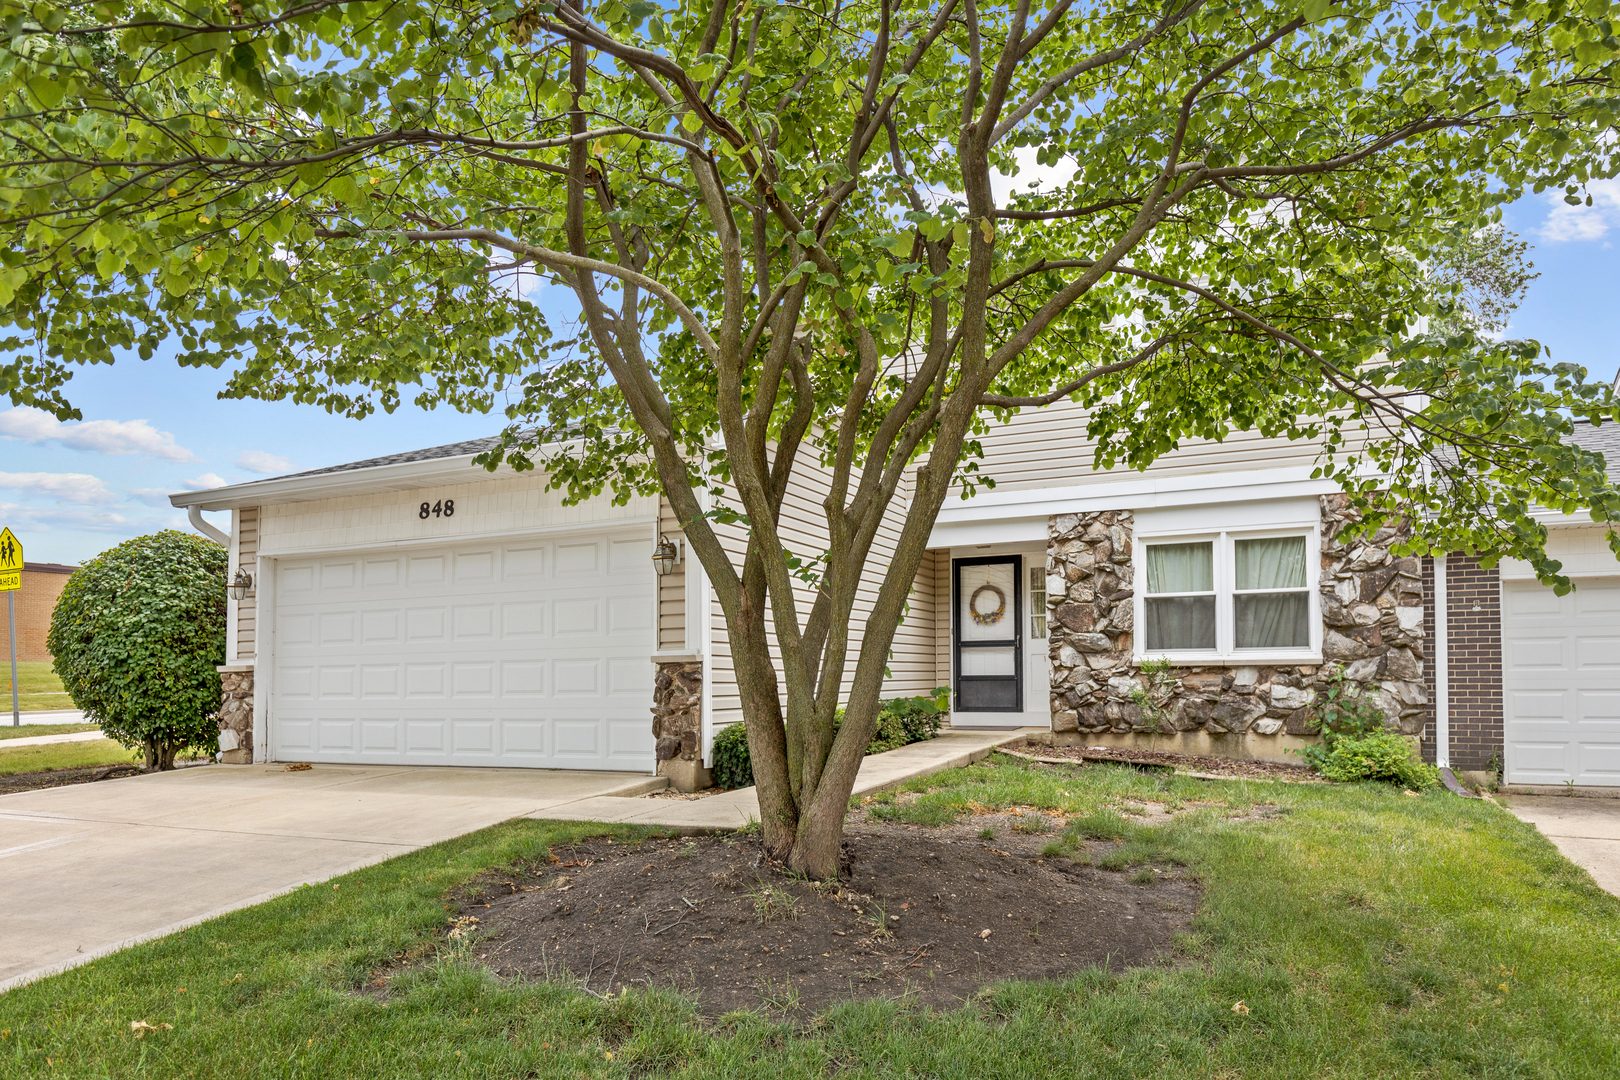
[901,721]
[1355,743]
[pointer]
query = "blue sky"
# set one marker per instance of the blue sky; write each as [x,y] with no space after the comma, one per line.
[71,490]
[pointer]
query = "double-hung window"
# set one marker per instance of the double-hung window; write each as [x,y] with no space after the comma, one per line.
[1231,597]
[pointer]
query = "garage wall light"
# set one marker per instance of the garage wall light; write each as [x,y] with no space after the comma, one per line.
[241,583]
[665,555]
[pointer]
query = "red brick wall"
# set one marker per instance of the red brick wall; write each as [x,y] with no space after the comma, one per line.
[1474,603]
[36,600]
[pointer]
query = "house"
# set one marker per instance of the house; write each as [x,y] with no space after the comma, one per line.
[415,610]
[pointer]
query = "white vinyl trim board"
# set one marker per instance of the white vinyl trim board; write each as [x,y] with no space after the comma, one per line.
[511,651]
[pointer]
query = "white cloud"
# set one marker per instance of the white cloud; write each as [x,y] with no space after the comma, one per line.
[41,518]
[204,482]
[151,496]
[1030,172]
[264,463]
[1567,223]
[99,436]
[63,487]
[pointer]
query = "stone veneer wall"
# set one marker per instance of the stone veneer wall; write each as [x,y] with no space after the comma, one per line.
[236,715]
[678,722]
[1372,611]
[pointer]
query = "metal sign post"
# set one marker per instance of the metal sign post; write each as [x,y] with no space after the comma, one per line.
[11,568]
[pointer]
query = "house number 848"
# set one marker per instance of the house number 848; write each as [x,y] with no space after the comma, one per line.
[445,508]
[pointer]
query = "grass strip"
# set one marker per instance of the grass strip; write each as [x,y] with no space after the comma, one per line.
[69,755]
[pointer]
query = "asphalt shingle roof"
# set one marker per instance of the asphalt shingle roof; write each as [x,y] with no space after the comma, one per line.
[459,449]
[1605,440]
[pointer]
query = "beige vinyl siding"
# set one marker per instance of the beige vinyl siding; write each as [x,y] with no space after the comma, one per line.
[671,587]
[1049,447]
[247,557]
[912,663]
[942,615]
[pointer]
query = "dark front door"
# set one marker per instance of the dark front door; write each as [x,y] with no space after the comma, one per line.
[989,650]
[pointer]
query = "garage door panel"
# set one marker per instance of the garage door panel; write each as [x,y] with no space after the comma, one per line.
[526,737]
[474,622]
[577,559]
[516,654]
[425,624]
[1598,653]
[518,563]
[474,567]
[523,678]
[425,570]
[1561,683]
[380,574]
[1599,763]
[473,736]
[379,736]
[1532,654]
[1522,602]
[339,576]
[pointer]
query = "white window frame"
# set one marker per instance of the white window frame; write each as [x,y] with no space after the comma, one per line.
[1225,652]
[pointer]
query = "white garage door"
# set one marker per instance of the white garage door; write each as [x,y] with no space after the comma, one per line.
[1561,683]
[517,653]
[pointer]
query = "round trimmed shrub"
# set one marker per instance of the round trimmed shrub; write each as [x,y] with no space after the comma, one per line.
[137,634]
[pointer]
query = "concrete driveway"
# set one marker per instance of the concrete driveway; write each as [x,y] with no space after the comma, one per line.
[88,869]
[1586,830]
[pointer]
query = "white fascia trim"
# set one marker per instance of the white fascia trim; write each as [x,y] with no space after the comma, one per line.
[399,476]
[1147,493]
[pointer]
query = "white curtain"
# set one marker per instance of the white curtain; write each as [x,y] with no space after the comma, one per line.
[1272,620]
[1180,568]
[1180,622]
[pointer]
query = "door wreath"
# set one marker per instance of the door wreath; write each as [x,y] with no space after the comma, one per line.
[987,618]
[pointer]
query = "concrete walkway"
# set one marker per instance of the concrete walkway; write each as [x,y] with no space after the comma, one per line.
[54,716]
[734,809]
[1587,831]
[46,740]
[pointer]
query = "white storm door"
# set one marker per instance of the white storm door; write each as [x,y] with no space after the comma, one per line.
[1561,683]
[513,653]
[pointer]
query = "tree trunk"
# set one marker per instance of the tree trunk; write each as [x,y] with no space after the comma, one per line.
[159,754]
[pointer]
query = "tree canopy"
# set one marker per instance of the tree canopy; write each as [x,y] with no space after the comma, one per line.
[780,230]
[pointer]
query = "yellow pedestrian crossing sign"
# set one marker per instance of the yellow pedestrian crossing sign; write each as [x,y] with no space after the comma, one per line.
[11,562]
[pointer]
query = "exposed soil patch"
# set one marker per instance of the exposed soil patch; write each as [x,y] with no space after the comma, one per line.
[49,778]
[1188,763]
[930,915]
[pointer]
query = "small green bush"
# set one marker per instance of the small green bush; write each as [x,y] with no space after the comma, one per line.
[901,722]
[136,637]
[1356,745]
[732,767]
[1381,755]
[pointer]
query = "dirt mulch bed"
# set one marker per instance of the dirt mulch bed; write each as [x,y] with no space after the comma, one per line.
[1187,763]
[926,915]
[49,778]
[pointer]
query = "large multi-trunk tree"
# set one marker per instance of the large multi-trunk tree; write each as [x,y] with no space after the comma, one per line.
[708,246]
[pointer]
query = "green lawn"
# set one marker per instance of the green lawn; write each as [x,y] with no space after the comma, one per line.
[1369,934]
[70,755]
[38,688]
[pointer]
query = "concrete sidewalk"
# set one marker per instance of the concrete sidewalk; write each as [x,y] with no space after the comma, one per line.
[53,716]
[46,740]
[734,809]
[1587,831]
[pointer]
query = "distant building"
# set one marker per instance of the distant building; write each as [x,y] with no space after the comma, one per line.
[42,584]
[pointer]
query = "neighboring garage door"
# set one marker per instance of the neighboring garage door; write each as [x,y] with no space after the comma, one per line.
[512,653]
[1561,683]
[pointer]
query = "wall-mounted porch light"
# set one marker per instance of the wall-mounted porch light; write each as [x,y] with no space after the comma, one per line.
[241,583]
[665,555]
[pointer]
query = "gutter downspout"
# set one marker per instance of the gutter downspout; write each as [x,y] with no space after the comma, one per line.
[1442,669]
[197,522]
